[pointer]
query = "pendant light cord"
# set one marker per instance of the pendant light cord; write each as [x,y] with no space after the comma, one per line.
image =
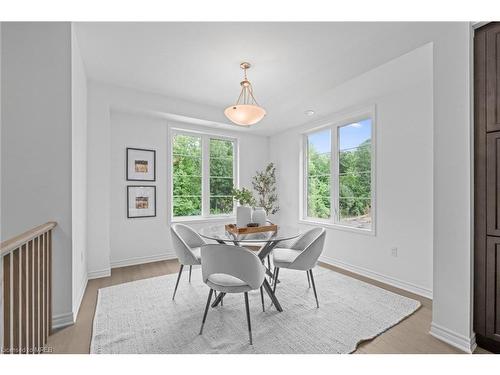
[246,92]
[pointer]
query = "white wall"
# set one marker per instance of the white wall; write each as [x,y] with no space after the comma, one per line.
[147,239]
[78,173]
[98,182]
[118,119]
[140,239]
[401,90]
[36,141]
[453,217]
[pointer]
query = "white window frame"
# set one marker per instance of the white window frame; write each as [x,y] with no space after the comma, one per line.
[205,174]
[334,123]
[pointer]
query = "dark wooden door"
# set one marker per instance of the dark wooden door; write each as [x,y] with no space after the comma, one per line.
[492,183]
[493,288]
[487,186]
[493,78]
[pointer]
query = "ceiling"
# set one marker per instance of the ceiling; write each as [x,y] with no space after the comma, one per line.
[292,63]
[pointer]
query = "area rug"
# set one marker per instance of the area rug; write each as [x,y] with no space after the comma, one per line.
[140,316]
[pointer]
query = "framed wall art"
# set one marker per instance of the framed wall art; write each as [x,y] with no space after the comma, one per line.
[141,201]
[141,164]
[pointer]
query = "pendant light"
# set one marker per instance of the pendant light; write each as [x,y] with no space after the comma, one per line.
[246,111]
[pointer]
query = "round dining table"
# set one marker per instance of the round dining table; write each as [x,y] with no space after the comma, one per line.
[266,240]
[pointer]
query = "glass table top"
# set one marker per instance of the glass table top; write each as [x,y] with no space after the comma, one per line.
[219,232]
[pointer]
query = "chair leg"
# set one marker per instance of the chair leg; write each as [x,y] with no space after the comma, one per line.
[248,318]
[190,268]
[215,297]
[262,299]
[308,279]
[314,288]
[206,310]
[276,272]
[177,283]
[269,265]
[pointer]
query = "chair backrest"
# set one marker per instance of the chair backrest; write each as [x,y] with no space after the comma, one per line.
[305,239]
[232,260]
[309,256]
[183,239]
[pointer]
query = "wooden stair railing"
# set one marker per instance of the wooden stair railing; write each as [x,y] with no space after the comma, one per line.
[27,290]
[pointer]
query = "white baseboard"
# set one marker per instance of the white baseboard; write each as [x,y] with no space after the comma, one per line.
[83,287]
[466,344]
[98,274]
[130,262]
[62,320]
[410,287]
[141,260]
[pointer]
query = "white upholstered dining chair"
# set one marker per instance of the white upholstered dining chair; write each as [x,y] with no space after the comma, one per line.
[302,255]
[231,269]
[187,246]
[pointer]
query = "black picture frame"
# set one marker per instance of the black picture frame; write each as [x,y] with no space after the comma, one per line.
[128,201]
[127,164]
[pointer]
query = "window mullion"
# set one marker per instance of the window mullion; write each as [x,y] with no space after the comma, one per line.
[205,168]
[334,179]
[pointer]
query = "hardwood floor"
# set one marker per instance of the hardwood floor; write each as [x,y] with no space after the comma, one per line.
[409,336]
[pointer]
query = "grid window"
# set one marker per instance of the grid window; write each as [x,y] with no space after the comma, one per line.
[203,175]
[338,164]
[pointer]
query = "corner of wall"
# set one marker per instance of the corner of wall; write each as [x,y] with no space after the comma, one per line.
[83,286]
[466,344]
[62,320]
[79,173]
[453,232]
[98,181]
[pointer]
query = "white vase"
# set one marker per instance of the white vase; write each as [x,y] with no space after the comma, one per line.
[243,216]
[259,216]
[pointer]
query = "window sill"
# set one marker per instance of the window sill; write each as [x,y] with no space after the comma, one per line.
[202,220]
[326,224]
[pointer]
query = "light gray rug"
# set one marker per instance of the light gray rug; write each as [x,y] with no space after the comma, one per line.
[140,316]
